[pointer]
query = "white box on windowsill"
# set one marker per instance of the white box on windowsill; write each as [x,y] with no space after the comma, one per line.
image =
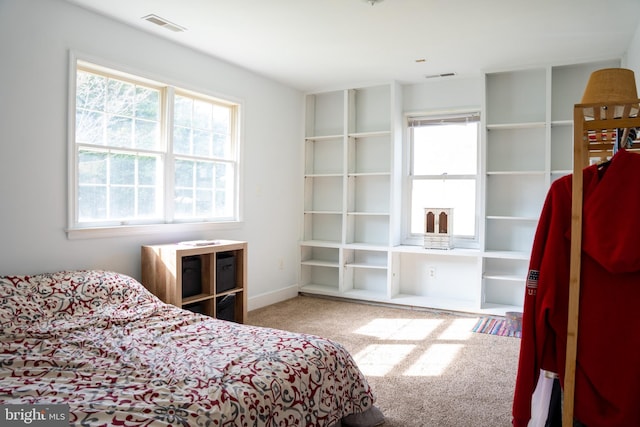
[438,228]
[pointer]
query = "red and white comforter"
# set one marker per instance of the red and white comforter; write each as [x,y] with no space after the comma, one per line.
[100,342]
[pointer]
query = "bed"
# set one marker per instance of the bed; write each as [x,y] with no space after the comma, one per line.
[102,344]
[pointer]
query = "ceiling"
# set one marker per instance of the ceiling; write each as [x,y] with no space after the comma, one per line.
[323,44]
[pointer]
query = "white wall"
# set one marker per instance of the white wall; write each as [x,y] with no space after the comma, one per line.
[632,59]
[36,36]
[442,94]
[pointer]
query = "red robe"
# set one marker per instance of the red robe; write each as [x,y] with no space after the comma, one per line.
[607,382]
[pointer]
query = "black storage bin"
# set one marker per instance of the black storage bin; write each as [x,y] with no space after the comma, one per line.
[226,308]
[191,276]
[196,307]
[225,271]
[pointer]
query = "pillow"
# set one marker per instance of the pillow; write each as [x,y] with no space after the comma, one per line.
[78,293]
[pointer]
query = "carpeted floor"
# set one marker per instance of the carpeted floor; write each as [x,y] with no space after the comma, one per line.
[427,368]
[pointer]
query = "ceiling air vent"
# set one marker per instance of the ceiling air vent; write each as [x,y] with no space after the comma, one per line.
[155,19]
[433,76]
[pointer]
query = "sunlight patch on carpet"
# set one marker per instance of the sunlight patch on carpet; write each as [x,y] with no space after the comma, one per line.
[377,360]
[458,329]
[434,361]
[399,329]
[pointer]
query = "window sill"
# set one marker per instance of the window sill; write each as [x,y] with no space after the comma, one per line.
[132,230]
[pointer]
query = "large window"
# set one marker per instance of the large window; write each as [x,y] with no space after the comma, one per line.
[442,172]
[150,153]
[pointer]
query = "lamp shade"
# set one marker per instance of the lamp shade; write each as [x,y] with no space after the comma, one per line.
[610,85]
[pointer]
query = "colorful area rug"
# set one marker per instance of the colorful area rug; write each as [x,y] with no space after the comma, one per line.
[497,326]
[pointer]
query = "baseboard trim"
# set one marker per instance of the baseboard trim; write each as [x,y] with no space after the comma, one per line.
[273,297]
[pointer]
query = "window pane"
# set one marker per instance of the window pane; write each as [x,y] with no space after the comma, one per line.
[92,167]
[222,145]
[181,140]
[92,204]
[445,149]
[90,107]
[122,202]
[204,175]
[224,190]
[195,186]
[205,189]
[147,170]
[96,94]
[119,131]
[459,194]
[202,143]
[116,185]
[147,103]
[184,203]
[182,109]
[122,169]
[222,129]
[184,173]
[89,127]
[202,128]
[147,135]
[91,91]
[147,202]
[204,203]
[120,97]
[202,115]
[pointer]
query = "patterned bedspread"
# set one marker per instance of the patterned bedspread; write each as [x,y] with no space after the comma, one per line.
[117,355]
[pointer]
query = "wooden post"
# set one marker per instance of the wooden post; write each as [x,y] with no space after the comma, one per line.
[580,159]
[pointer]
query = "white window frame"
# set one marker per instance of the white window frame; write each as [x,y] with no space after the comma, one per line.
[75,230]
[415,239]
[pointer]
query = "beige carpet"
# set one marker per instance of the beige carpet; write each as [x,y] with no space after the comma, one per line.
[426,368]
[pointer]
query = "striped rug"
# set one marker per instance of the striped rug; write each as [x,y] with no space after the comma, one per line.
[495,326]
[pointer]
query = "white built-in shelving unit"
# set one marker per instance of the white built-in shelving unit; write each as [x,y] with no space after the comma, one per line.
[352,143]
[528,141]
[350,244]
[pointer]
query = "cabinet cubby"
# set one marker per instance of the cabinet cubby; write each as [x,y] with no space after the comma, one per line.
[516,149]
[325,114]
[369,153]
[500,292]
[561,149]
[510,234]
[371,229]
[443,280]
[366,280]
[320,278]
[515,195]
[320,256]
[370,109]
[324,156]
[320,268]
[504,282]
[368,194]
[323,227]
[366,258]
[323,194]
[516,97]
[366,271]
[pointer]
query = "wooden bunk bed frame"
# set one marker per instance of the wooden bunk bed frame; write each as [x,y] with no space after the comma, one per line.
[595,139]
